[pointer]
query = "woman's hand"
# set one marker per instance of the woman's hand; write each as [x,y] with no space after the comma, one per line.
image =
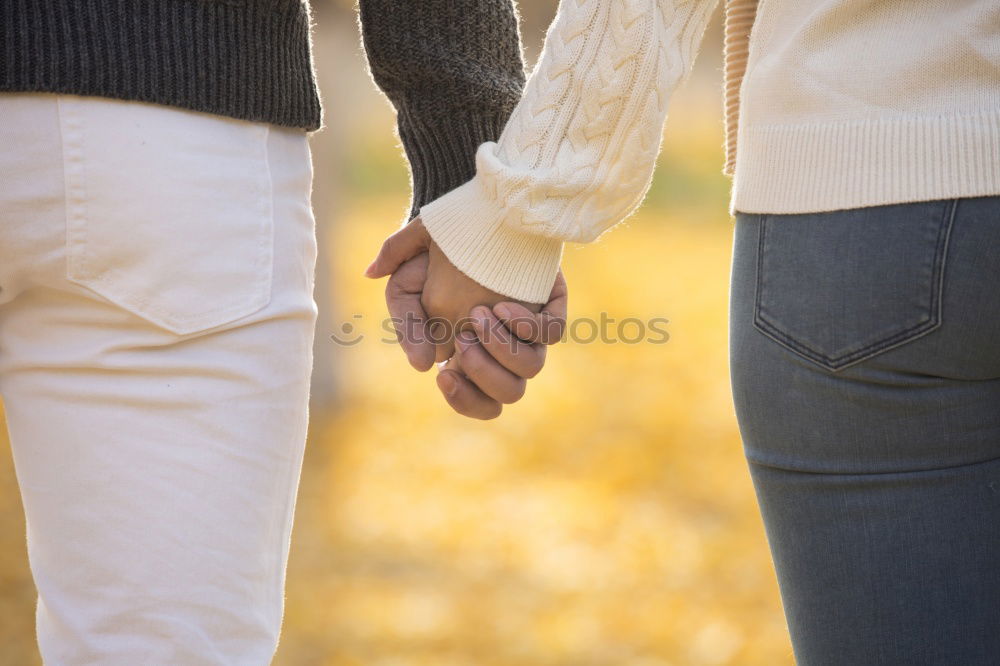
[505,348]
[446,295]
[430,301]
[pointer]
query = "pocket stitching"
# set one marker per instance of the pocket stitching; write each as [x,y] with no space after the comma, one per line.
[76,190]
[836,364]
[79,250]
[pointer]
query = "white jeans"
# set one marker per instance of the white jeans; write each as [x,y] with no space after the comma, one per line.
[156,330]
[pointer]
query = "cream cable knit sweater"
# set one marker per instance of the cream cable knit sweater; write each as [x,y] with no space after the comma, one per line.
[845,103]
[578,152]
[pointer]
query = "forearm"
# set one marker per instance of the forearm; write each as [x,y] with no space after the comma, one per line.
[453,71]
[578,153]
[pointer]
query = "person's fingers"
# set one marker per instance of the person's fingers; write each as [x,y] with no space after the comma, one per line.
[547,326]
[402,296]
[465,397]
[403,245]
[485,372]
[542,327]
[521,358]
[444,351]
[441,335]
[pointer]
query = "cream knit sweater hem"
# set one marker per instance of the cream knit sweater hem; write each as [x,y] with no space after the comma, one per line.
[838,165]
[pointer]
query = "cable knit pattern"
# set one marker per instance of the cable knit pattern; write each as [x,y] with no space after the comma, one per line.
[832,104]
[578,152]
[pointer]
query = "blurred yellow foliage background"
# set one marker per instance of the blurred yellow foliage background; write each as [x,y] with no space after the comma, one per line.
[607,519]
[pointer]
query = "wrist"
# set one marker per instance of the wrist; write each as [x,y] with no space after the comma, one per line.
[469,228]
[441,150]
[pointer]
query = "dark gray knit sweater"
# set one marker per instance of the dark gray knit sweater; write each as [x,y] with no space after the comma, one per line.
[452,68]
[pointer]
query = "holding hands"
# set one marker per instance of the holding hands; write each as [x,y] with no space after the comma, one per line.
[488,346]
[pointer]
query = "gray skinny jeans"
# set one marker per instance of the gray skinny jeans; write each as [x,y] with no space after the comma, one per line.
[865,357]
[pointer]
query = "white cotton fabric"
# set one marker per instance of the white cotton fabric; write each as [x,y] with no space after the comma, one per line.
[156,330]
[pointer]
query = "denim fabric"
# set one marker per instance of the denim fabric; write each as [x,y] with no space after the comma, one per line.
[865,358]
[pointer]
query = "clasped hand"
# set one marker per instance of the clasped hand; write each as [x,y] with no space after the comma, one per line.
[488,346]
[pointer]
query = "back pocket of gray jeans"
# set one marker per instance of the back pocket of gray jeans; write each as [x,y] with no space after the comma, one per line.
[838,288]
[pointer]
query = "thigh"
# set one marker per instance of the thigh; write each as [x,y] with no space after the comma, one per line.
[866,378]
[158,442]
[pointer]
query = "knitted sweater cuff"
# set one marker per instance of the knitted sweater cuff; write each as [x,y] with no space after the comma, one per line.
[469,228]
[442,151]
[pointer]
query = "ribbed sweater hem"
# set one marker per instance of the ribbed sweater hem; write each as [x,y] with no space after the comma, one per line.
[468,227]
[811,168]
[442,151]
[246,59]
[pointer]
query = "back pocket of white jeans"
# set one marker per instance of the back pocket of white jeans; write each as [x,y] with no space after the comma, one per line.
[841,287]
[169,212]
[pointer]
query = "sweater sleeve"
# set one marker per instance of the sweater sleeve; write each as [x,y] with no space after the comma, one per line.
[453,71]
[578,152]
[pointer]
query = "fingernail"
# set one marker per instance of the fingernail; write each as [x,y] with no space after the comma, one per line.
[370,269]
[502,311]
[481,312]
[447,383]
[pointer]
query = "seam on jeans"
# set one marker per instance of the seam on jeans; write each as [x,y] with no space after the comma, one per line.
[78,248]
[74,186]
[835,364]
[265,247]
[272,593]
[113,278]
[921,470]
